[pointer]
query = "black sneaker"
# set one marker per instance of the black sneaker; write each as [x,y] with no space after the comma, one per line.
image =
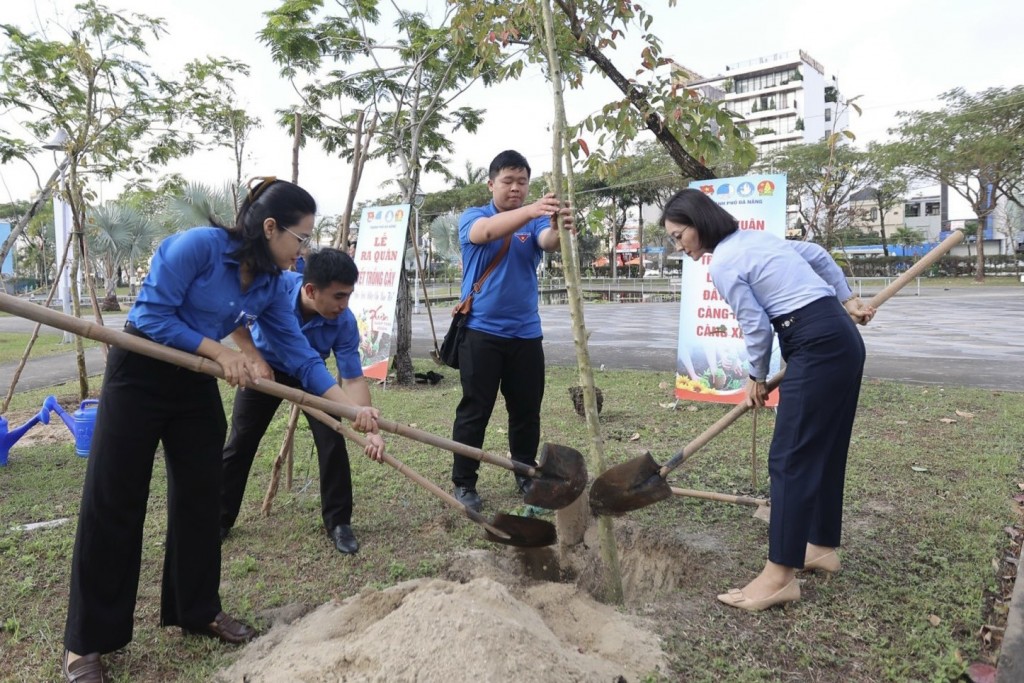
[523,483]
[468,496]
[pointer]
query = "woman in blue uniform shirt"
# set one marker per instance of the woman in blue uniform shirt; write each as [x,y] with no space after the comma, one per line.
[203,284]
[797,289]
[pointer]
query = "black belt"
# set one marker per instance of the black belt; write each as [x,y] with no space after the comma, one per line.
[784,322]
[129,328]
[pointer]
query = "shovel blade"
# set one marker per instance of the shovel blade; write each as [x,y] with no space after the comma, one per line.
[629,486]
[523,532]
[563,477]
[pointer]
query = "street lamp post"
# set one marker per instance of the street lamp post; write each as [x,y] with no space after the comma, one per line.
[61,220]
[417,202]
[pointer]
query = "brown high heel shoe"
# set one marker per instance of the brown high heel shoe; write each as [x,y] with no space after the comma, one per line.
[826,562]
[736,598]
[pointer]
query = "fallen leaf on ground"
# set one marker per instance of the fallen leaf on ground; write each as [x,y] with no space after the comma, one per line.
[964,414]
[934,620]
[635,437]
[980,672]
[663,385]
[918,468]
[692,409]
[902,422]
[947,420]
[668,406]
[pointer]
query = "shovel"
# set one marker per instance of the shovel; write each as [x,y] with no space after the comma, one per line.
[641,481]
[514,530]
[555,482]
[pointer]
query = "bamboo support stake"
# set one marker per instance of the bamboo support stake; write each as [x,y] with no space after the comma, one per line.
[35,330]
[284,455]
[753,452]
[606,530]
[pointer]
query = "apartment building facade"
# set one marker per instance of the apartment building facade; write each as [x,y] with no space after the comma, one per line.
[784,98]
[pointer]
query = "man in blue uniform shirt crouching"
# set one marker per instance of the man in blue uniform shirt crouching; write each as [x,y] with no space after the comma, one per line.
[321,295]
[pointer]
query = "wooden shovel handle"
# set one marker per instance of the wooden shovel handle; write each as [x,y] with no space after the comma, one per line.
[404,469]
[90,330]
[913,271]
[720,497]
[715,429]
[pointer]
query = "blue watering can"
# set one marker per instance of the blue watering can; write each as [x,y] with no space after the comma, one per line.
[10,437]
[80,425]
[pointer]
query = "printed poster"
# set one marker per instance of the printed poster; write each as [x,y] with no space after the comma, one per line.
[7,267]
[379,256]
[712,362]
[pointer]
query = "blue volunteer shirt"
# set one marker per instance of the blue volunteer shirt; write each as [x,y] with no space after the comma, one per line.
[763,277]
[339,336]
[194,291]
[506,305]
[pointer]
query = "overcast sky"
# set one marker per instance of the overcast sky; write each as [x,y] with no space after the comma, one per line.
[895,54]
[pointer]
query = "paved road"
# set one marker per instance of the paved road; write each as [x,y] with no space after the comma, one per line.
[960,336]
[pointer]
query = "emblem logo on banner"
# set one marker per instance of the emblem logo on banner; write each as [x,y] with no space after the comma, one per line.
[379,257]
[711,361]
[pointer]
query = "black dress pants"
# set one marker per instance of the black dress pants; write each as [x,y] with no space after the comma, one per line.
[824,356]
[145,401]
[486,364]
[250,418]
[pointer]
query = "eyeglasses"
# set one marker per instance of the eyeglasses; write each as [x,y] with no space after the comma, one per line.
[303,239]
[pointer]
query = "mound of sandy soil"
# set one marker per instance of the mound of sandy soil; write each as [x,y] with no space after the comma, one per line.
[480,623]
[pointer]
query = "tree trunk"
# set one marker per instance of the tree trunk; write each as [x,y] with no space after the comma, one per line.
[640,236]
[359,152]
[979,265]
[881,230]
[296,140]
[402,352]
[35,331]
[570,267]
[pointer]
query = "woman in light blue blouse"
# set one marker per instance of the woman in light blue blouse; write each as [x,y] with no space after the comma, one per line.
[203,284]
[797,289]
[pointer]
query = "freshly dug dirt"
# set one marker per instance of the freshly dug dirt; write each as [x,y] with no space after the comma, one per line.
[482,621]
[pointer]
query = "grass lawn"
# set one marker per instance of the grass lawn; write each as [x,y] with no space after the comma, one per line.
[930,519]
[12,345]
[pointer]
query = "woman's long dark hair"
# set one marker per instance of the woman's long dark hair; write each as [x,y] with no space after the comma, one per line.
[285,202]
[695,209]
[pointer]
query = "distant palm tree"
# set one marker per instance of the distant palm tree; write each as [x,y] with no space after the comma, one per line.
[117,233]
[474,175]
[908,237]
[444,239]
[200,204]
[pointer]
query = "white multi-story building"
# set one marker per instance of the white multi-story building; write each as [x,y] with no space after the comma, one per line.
[784,98]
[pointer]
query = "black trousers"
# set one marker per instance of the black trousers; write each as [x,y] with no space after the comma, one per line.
[824,356]
[250,418]
[486,364]
[143,402]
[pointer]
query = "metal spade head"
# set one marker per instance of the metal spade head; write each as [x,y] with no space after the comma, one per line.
[629,486]
[524,532]
[563,477]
